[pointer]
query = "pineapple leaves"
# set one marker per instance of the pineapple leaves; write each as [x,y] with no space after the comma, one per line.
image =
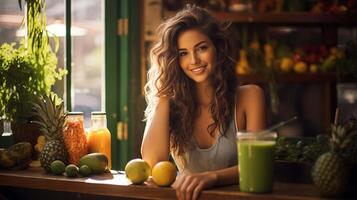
[343,139]
[48,112]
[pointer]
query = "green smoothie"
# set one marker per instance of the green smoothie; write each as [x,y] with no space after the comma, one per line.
[255,163]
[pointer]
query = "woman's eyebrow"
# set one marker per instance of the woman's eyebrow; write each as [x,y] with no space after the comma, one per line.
[199,43]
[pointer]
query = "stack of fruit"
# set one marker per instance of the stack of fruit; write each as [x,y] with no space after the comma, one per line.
[282,58]
[163,173]
[16,157]
[310,58]
[94,163]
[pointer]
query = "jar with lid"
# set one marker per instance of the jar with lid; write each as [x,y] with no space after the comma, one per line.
[99,137]
[74,137]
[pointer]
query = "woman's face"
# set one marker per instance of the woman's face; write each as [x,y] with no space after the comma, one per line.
[197,55]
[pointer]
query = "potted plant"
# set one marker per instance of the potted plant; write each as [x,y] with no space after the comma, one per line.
[27,70]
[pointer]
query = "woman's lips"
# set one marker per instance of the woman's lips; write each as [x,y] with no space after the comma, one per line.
[198,70]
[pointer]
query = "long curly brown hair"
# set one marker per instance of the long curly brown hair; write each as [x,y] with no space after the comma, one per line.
[166,78]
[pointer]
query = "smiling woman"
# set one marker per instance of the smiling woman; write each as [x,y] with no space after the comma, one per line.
[195,105]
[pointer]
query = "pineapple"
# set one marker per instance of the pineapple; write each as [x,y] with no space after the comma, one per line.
[331,170]
[50,117]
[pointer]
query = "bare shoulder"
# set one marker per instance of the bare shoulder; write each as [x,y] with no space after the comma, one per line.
[251,104]
[248,93]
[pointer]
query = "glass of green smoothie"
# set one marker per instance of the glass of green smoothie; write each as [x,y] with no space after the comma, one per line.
[256,161]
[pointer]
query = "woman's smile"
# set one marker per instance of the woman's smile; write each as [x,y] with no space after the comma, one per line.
[199,70]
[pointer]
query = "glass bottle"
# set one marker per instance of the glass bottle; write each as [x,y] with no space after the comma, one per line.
[98,136]
[74,137]
[6,128]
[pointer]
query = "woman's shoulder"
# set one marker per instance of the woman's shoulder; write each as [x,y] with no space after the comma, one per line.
[250,90]
[248,94]
[250,107]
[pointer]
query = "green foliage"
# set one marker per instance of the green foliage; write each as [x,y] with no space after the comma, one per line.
[301,150]
[22,78]
[341,138]
[29,70]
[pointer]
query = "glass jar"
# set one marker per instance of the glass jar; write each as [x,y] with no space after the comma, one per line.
[99,137]
[74,137]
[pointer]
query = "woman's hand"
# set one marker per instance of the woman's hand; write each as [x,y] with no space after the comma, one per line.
[189,185]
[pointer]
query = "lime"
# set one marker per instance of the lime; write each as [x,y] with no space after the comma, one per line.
[84,170]
[72,170]
[57,167]
[137,171]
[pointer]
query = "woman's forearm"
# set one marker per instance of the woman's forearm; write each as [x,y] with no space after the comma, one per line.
[227,176]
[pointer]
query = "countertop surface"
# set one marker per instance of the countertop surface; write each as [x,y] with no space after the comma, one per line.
[115,184]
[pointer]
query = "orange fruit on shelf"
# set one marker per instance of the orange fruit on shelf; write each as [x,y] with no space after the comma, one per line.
[314,68]
[286,64]
[300,67]
[164,173]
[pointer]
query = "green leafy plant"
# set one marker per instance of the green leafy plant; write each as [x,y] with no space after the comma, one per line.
[28,69]
[305,150]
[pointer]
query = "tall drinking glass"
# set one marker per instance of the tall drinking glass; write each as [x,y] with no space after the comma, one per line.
[256,161]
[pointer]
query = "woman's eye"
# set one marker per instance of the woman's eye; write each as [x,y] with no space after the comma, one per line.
[182,53]
[202,48]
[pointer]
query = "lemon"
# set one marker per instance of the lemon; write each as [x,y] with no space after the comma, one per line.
[137,171]
[57,167]
[72,170]
[300,67]
[286,64]
[314,68]
[164,173]
[84,170]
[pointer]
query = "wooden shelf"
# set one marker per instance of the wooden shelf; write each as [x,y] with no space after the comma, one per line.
[289,78]
[116,186]
[289,18]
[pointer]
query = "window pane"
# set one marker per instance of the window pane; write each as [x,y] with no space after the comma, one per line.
[87,56]
[55,10]
[10,21]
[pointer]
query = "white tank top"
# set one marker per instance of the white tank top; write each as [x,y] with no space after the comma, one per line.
[222,154]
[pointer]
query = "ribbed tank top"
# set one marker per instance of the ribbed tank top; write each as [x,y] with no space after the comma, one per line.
[222,154]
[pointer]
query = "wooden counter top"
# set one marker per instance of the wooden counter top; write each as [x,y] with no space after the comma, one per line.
[117,185]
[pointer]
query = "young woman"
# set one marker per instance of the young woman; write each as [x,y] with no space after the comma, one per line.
[195,105]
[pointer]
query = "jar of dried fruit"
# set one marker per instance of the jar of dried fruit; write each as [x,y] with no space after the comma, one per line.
[74,137]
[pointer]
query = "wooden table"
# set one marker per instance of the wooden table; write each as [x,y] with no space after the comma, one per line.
[115,185]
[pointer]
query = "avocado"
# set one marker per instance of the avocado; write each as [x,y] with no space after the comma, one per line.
[98,162]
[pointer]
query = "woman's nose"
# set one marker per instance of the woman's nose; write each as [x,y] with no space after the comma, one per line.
[194,58]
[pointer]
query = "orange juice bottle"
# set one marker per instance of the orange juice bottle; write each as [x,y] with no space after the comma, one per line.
[98,136]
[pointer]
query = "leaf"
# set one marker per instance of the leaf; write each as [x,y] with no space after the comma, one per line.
[42,125]
[20,1]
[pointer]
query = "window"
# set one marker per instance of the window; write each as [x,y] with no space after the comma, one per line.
[87,49]
[10,21]
[87,52]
